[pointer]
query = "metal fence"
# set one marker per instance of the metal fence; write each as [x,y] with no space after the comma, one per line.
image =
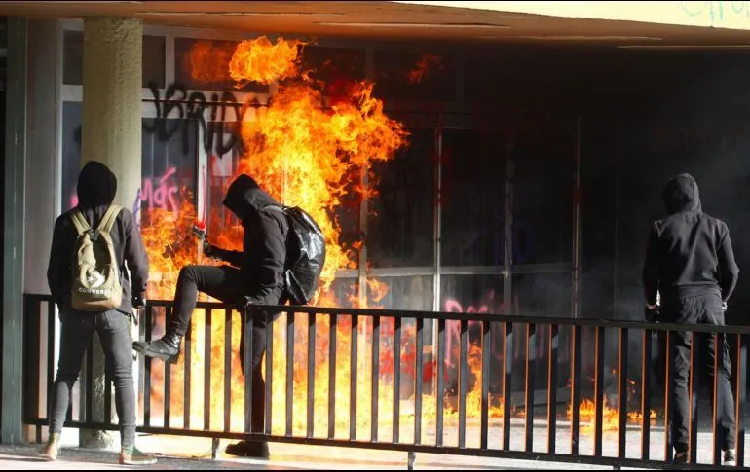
[541,429]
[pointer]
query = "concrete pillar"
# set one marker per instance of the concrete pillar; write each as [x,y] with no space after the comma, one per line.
[13,241]
[43,136]
[111,134]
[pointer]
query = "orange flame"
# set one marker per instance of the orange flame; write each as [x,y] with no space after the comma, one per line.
[423,67]
[610,416]
[305,155]
[259,60]
[207,62]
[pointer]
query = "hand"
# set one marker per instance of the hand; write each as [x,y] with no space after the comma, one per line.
[652,313]
[138,302]
[245,302]
[209,250]
[724,306]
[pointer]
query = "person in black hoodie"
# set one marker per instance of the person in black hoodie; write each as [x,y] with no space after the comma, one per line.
[689,262]
[97,187]
[256,277]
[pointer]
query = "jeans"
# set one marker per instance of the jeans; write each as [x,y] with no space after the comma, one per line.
[77,330]
[228,285]
[699,310]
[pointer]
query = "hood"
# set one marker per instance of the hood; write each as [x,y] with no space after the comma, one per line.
[97,185]
[245,197]
[681,194]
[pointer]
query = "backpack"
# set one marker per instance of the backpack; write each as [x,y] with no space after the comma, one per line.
[305,255]
[96,275]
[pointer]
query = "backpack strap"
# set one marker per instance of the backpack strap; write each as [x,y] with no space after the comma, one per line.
[109,218]
[80,223]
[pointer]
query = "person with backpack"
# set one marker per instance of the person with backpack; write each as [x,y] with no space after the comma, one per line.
[94,245]
[254,276]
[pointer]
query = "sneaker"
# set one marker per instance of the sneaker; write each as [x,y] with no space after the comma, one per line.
[166,348]
[133,456]
[729,458]
[50,450]
[248,449]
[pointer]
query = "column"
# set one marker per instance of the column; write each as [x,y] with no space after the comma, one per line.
[13,223]
[111,134]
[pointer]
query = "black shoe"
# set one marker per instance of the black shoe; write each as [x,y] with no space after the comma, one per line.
[166,348]
[248,449]
[680,458]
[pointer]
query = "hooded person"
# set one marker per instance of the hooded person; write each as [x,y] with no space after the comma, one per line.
[97,188]
[690,263]
[254,276]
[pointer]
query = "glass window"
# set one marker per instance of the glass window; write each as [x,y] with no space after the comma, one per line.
[401,214]
[412,76]
[472,198]
[543,154]
[542,294]
[3,32]
[336,68]
[400,292]
[153,61]
[72,117]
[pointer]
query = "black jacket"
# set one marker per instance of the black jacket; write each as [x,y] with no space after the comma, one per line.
[97,186]
[264,249]
[689,253]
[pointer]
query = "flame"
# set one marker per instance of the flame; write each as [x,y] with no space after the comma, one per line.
[259,60]
[422,68]
[306,154]
[610,416]
[207,62]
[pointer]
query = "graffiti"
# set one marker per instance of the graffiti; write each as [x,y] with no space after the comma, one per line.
[715,12]
[162,196]
[196,106]
[137,209]
[220,135]
[453,328]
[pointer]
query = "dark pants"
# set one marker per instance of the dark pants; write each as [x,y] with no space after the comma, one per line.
[228,285]
[699,310]
[76,332]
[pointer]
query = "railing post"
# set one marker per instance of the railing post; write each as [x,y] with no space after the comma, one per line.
[622,370]
[646,395]
[740,397]
[552,366]
[575,387]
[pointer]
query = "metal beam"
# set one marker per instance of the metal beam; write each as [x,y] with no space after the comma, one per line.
[13,225]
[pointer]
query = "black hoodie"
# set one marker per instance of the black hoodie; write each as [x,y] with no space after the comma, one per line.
[262,260]
[97,187]
[689,252]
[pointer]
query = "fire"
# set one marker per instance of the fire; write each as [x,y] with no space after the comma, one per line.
[610,416]
[207,62]
[259,60]
[422,69]
[307,153]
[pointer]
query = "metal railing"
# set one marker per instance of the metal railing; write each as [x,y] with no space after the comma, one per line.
[607,447]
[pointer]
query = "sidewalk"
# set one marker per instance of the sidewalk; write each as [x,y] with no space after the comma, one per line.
[288,457]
